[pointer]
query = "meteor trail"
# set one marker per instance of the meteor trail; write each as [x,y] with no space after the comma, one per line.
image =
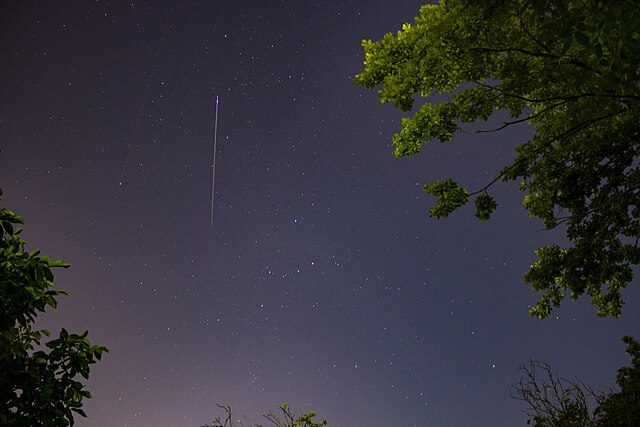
[215,149]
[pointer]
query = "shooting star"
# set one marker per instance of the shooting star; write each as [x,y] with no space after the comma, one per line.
[213,167]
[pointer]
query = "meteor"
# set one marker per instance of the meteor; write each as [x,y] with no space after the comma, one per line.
[213,167]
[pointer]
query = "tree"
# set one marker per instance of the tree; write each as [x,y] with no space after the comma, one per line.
[38,383]
[553,401]
[557,402]
[289,419]
[622,408]
[568,68]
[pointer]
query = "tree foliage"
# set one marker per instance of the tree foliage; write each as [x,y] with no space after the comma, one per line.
[288,420]
[553,401]
[622,408]
[38,383]
[568,68]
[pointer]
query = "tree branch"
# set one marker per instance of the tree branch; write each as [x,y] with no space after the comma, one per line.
[564,135]
[558,98]
[505,124]
[539,43]
[535,54]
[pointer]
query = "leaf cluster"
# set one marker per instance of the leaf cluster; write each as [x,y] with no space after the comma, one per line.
[571,70]
[38,383]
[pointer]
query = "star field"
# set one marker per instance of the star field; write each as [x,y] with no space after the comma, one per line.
[323,282]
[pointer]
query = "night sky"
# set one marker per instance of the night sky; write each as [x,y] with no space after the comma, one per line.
[323,283]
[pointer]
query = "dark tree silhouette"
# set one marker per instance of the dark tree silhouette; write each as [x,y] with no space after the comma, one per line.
[38,381]
[287,420]
[553,401]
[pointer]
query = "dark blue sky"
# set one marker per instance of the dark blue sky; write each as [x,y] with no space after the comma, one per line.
[323,283]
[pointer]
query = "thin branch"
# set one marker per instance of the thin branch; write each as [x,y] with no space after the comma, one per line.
[557,98]
[539,43]
[535,54]
[551,397]
[506,124]
[562,136]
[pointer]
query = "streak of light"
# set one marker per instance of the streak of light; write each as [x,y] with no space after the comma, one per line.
[213,167]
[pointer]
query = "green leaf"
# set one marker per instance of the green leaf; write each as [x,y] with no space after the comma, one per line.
[449,197]
[485,205]
[581,38]
[8,228]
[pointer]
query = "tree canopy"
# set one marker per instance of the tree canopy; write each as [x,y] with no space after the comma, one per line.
[568,68]
[553,401]
[38,381]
